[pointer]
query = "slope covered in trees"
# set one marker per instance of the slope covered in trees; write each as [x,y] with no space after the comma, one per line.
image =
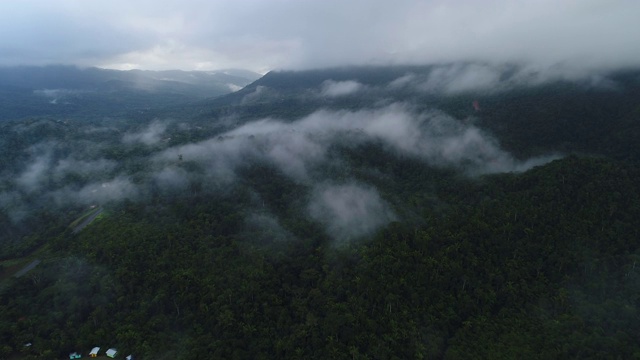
[319,235]
[540,265]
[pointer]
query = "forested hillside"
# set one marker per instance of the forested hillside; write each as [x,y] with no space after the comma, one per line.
[368,213]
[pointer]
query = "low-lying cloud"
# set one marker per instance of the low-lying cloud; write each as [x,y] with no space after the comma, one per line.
[302,150]
[296,147]
[48,180]
[455,78]
[57,93]
[261,93]
[115,190]
[266,229]
[349,211]
[460,78]
[332,88]
[262,141]
[82,167]
[149,136]
[172,178]
[44,168]
[35,174]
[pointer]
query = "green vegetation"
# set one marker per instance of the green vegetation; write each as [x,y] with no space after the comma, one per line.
[84,217]
[539,265]
[543,264]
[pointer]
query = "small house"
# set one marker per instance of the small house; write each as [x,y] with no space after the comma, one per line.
[74,355]
[94,352]
[112,353]
[130,357]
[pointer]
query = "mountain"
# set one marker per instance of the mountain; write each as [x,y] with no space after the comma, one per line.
[446,211]
[71,91]
[528,111]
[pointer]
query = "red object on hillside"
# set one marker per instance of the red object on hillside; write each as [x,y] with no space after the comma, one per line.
[476,105]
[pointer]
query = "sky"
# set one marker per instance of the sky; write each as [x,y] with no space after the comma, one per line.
[263,35]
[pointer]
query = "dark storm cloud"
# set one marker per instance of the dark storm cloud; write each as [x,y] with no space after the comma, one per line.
[267,34]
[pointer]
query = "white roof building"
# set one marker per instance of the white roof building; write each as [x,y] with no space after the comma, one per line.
[94,351]
[112,352]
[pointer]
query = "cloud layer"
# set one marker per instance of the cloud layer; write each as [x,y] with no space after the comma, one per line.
[313,152]
[349,211]
[302,150]
[263,35]
[148,136]
[332,88]
[296,147]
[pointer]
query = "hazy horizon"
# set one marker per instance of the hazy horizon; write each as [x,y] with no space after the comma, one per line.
[292,35]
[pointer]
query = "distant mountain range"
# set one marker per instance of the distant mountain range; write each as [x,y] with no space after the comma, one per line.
[71,91]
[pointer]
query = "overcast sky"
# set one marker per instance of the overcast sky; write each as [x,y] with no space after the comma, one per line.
[262,35]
